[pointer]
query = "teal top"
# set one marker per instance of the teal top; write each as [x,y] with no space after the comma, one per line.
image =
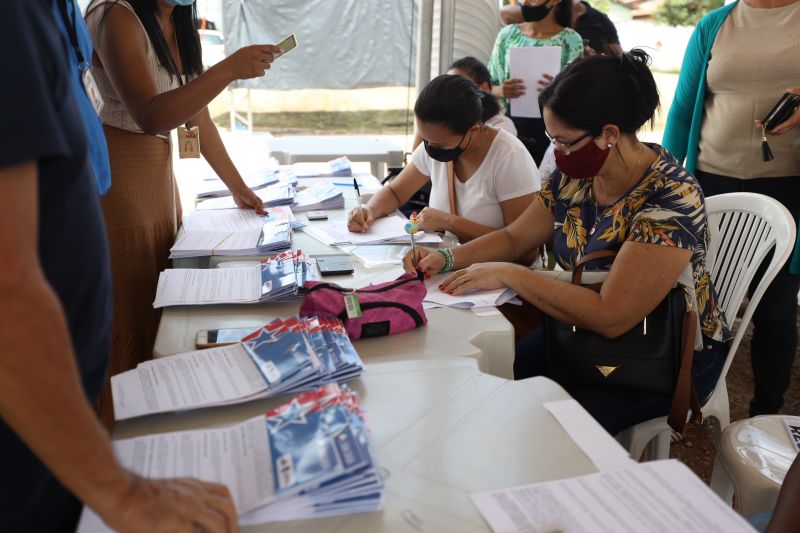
[685,119]
[511,36]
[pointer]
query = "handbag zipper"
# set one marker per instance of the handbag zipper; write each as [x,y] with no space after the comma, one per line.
[304,290]
[373,305]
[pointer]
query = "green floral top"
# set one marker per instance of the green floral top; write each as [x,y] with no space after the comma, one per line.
[665,207]
[511,36]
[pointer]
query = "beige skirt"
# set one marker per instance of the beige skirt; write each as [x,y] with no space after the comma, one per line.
[141,212]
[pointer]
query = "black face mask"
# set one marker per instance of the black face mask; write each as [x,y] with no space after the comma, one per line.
[535,13]
[445,155]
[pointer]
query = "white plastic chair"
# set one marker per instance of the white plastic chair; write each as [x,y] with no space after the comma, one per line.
[744,228]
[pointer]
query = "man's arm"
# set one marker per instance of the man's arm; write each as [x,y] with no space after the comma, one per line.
[42,399]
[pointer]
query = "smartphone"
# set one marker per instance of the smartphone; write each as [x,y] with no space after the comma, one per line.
[334,265]
[317,215]
[287,45]
[209,338]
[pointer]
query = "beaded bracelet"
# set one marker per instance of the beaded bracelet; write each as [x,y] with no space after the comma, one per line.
[447,253]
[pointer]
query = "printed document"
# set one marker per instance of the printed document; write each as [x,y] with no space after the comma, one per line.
[530,64]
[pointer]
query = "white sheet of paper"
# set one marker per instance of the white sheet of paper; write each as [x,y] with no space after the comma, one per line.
[600,447]
[185,381]
[196,286]
[222,220]
[529,64]
[190,241]
[651,496]
[385,230]
[479,299]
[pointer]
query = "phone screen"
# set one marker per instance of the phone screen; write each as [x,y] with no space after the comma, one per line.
[216,336]
[288,44]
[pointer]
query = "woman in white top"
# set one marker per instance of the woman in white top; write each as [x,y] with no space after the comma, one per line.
[495,177]
[149,71]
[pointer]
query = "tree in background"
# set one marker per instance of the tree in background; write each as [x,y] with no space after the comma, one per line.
[685,12]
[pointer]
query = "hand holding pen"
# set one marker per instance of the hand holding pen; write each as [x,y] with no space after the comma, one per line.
[360,219]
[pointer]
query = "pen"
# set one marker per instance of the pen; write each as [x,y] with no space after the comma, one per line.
[358,192]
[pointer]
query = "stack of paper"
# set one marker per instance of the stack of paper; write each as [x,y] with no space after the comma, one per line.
[387,230]
[473,299]
[336,167]
[321,196]
[276,195]
[650,496]
[234,232]
[268,175]
[289,355]
[309,458]
[217,188]
[276,278]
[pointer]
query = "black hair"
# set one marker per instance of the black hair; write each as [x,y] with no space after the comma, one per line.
[454,102]
[477,71]
[564,13]
[599,90]
[185,20]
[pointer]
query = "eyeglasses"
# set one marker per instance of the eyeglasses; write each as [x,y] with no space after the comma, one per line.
[565,146]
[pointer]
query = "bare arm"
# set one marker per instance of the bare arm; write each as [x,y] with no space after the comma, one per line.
[121,48]
[214,152]
[43,399]
[784,517]
[466,229]
[388,198]
[640,278]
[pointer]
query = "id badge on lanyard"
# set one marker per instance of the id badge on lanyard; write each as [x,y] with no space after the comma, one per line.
[188,141]
[90,86]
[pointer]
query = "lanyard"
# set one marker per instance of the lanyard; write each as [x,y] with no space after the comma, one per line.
[72,30]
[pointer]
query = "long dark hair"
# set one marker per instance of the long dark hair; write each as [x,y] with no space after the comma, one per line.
[184,19]
[564,13]
[454,102]
[600,90]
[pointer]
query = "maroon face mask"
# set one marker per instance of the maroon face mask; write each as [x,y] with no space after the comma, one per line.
[582,164]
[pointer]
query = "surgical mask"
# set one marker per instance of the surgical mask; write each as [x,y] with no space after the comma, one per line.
[584,163]
[182,3]
[535,13]
[445,155]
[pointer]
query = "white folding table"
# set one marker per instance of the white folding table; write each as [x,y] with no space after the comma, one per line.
[321,148]
[442,430]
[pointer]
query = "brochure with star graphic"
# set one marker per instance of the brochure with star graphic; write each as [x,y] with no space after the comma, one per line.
[286,355]
[309,458]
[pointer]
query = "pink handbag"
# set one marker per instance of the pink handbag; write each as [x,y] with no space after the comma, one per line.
[385,309]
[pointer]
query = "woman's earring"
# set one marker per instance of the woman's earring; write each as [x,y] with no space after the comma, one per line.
[609,146]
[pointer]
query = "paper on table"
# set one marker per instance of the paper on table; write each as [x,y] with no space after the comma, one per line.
[223,220]
[193,286]
[591,438]
[385,230]
[652,496]
[529,64]
[187,380]
[481,298]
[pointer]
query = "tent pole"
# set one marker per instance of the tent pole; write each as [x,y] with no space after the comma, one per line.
[424,43]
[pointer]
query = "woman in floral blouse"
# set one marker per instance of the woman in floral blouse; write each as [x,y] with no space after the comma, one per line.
[611,192]
[550,27]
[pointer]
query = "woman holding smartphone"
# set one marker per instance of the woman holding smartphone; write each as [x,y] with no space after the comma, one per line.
[149,71]
[739,62]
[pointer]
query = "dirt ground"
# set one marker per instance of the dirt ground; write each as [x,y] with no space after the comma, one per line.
[697,448]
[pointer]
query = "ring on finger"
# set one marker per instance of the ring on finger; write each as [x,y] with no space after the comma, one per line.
[462,273]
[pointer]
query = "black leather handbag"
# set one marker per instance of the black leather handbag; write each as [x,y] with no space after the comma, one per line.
[654,356]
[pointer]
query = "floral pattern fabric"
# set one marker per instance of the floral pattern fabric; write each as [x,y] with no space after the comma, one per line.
[511,36]
[666,207]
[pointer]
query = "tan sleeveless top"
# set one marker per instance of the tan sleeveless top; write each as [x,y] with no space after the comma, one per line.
[114,112]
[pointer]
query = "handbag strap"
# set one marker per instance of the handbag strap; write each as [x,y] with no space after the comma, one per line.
[577,272]
[685,396]
[451,187]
